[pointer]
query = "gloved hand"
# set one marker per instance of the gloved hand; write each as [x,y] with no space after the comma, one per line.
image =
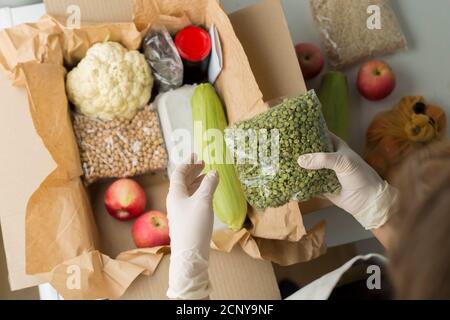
[364,194]
[191,218]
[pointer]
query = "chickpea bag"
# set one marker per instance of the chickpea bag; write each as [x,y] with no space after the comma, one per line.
[394,134]
[121,147]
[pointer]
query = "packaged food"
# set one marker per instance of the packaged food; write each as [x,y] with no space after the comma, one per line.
[175,113]
[194,46]
[394,134]
[207,110]
[270,174]
[343,25]
[121,147]
[162,56]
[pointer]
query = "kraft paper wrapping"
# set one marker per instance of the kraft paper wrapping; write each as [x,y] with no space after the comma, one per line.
[61,231]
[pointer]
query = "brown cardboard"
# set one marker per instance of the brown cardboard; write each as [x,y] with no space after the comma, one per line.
[13,229]
[77,233]
[234,276]
[94,11]
[275,67]
[19,138]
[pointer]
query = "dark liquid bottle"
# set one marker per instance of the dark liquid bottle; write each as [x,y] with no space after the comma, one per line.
[194,46]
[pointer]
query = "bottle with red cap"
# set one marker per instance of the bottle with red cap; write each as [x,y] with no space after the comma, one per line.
[194,46]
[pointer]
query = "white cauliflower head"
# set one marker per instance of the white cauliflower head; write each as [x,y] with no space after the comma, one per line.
[110,82]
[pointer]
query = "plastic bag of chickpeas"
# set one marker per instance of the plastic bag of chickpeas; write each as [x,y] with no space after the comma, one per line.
[120,148]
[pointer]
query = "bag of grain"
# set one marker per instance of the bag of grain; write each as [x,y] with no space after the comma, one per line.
[353,30]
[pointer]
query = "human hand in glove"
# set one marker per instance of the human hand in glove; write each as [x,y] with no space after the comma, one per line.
[363,194]
[191,218]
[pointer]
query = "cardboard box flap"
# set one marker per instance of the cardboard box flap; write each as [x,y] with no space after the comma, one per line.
[269,49]
[20,139]
[13,230]
[92,11]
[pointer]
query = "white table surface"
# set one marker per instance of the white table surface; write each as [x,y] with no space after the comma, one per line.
[424,70]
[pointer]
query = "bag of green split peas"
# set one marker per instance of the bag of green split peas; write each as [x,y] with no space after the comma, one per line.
[276,178]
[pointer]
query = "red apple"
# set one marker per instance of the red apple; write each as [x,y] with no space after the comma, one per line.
[125,199]
[151,230]
[376,80]
[310,58]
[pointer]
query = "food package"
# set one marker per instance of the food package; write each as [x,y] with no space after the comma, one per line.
[162,56]
[349,33]
[208,114]
[267,148]
[175,113]
[121,147]
[394,134]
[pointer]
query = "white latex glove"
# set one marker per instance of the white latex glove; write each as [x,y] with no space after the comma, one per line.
[191,218]
[364,194]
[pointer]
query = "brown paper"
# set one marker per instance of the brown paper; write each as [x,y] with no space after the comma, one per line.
[61,228]
[285,253]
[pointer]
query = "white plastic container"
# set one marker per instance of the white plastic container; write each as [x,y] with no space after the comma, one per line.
[175,113]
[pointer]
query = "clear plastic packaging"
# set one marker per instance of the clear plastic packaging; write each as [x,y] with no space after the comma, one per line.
[350,31]
[162,56]
[120,148]
[271,176]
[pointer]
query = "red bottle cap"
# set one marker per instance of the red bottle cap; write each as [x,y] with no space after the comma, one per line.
[193,43]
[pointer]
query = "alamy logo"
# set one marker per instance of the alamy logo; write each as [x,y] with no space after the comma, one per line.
[73,281]
[233,146]
[73,17]
[374,20]
[374,280]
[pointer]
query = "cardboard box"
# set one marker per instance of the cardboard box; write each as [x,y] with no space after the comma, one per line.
[234,275]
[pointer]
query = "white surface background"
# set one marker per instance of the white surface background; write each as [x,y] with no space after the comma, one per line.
[422,70]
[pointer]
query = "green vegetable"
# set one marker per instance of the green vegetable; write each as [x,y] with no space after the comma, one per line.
[302,129]
[229,202]
[334,96]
